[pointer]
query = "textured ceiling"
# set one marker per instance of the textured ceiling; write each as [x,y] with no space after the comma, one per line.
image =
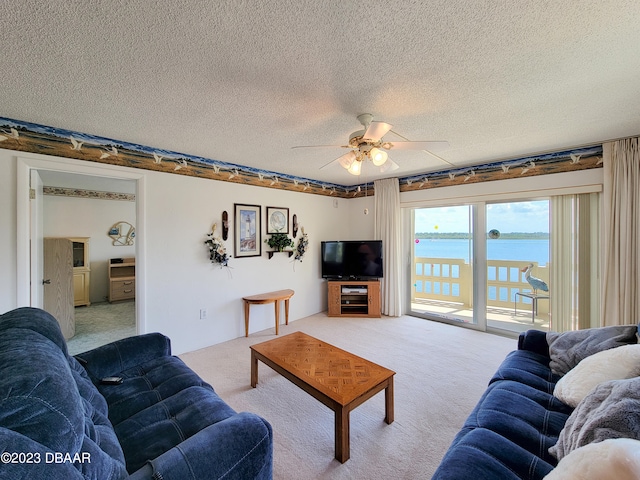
[244,81]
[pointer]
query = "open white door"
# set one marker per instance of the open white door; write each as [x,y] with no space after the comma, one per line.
[36,206]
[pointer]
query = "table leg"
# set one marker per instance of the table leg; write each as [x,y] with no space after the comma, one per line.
[277,304]
[286,311]
[388,402]
[254,369]
[534,308]
[246,318]
[342,434]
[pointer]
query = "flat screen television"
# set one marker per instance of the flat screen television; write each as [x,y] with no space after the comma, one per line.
[351,259]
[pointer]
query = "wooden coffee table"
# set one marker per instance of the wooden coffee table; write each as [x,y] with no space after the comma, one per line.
[340,380]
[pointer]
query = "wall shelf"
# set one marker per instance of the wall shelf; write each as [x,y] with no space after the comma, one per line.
[290,252]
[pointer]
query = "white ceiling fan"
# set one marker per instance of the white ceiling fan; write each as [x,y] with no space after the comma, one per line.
[368,144]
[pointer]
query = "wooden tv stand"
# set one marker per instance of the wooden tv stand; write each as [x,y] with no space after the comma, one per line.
[354,298]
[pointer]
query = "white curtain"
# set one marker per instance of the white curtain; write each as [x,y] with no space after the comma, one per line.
[574,277]
[388,229]
[620,285]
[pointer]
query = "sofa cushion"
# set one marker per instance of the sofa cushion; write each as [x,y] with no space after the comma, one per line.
[146,384]
[528,368]
[617,458]
[158,405]
[158,428]
[485,455]
[521,414]
[613,364]
[611,410]
[100,438]
[567,349]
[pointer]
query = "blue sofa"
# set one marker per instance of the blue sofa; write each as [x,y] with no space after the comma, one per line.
[59,419]
[517,419]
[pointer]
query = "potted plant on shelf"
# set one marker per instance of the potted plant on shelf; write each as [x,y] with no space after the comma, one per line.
[279,241]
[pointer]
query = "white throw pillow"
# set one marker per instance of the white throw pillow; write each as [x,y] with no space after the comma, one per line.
[617,458]
[614,364]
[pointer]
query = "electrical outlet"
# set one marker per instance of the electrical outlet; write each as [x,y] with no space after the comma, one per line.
[203,314]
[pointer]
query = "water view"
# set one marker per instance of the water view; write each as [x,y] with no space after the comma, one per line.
[527,250]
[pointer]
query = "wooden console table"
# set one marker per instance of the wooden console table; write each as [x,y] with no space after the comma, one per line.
[271,297]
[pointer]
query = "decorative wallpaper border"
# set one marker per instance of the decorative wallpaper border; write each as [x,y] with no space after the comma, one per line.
[567,161]
[34,138]
[80,193]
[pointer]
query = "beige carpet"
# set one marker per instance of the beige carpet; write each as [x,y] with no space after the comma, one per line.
[441,372]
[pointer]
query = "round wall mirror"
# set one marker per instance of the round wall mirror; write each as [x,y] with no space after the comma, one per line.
[122,233]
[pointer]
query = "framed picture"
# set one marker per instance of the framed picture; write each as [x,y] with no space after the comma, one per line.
[248,231]
[277,220]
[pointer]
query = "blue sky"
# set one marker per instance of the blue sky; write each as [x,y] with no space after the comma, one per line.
[506,217]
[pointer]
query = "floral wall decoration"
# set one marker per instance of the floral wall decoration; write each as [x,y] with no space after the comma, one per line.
[217,250]
[303,243]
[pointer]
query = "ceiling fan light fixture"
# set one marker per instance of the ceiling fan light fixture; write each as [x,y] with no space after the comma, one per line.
[355,168]
[347,159]
[378,157]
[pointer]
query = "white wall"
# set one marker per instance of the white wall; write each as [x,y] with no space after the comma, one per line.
[361,224]
[90,217]
[180,280]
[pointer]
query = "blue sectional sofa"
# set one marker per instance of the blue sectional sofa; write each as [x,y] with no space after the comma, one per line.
[518,419]
[62,418]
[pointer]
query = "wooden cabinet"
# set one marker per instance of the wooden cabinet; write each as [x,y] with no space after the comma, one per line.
[81,271]
[122,279]
[353,298]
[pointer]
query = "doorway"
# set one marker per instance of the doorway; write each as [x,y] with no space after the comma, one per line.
[29,254]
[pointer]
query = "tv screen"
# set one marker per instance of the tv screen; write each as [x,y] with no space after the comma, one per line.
[353,259]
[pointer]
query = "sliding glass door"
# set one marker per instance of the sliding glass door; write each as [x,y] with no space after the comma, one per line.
[517,265]
[442,277]
[473,264]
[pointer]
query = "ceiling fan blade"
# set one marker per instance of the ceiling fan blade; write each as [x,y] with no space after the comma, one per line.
[323,146]
[388,166]
[375,131]
[430,146]
[344,160]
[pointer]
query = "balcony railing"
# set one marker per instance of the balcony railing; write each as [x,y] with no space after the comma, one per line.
[450,280]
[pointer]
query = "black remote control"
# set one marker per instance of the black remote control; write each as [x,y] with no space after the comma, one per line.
[111,381]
